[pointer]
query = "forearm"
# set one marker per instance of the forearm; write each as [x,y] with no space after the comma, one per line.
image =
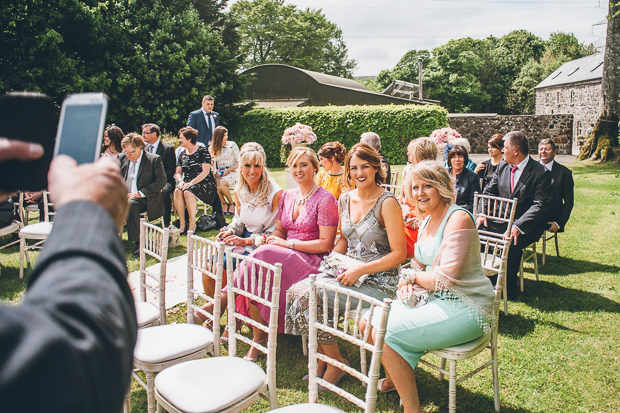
[199,178]
[316,246]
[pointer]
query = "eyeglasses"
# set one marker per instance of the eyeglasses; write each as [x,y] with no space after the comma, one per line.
[130,153]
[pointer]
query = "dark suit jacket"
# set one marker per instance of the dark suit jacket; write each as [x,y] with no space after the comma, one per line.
[150,181]
[467,183]
[197,121]
[563,198]
[168,159]
[533,191]
[71,340]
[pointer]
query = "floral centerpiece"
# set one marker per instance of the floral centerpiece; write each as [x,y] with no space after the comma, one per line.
[444,136]
[293,136]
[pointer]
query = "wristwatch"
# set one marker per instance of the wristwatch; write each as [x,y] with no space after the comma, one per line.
[291,243]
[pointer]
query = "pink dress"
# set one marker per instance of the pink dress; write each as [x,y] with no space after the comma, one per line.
[321,210]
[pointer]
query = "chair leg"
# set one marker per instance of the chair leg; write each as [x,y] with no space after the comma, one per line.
[505,294]
[22,247]
[557,248]
[495,380]
[160,408]
[363,362]
[535,261]
[304,345]
[521,275]
[544,251]
[150,392]
[452,387]
[443,367]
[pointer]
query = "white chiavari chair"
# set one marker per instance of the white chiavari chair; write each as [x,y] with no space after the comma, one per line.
[494,257]
[37,232]
[395,189]
[501,211]
[160,347]
[394,178]
[230,384]
[346,326]
[547,236]
[151,309]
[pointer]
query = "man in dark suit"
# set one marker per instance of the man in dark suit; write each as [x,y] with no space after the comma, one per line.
[204,120]
[520,176]
[145,177]
[72,336]
[150,133]
[563,198]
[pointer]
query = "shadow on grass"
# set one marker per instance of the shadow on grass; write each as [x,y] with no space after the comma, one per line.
[548,296]
[562,266]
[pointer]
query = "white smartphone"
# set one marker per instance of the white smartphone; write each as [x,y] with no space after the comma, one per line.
[80,129]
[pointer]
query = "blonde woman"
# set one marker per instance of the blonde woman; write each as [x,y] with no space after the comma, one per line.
[447,263]
[225,153]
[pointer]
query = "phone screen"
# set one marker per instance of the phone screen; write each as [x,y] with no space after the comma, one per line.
[79,137]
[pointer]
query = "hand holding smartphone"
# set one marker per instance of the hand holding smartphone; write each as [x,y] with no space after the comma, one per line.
[31,117]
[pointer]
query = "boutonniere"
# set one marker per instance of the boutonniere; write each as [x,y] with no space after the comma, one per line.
[214,116]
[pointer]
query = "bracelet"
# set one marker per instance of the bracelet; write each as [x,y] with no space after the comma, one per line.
[408,276]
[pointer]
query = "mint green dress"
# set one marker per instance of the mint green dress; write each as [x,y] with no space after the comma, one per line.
[442,322]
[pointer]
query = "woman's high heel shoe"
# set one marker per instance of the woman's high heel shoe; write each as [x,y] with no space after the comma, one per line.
[258,355]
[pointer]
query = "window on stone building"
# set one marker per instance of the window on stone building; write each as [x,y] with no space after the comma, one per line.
[580,128]
[558,99]
[572,96]
[547,97]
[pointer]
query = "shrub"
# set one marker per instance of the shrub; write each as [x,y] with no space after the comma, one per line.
[396,125]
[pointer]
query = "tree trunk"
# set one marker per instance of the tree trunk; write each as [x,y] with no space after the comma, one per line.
[605,134]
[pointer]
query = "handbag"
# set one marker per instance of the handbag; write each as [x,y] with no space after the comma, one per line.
[208,222]
[335,264]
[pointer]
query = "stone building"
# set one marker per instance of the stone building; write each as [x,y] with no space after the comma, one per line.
[574,89]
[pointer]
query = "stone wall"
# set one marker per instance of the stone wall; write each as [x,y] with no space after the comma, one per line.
[583,100]
[478,129]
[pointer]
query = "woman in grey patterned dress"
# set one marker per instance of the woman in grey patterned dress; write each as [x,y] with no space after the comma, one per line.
[373,233]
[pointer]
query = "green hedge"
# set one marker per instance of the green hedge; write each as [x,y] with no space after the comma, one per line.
[396,125]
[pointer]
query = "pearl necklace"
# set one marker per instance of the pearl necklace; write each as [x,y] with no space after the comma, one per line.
[301,201]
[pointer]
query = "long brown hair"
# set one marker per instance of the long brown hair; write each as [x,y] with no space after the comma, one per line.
[366,153]
[217,142]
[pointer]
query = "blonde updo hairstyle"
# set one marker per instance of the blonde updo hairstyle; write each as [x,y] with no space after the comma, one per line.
[298,152]
[423,149]
[434,174]
[253,153]
[368,154]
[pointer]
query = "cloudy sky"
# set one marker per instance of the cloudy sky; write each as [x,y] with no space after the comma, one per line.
[378,33]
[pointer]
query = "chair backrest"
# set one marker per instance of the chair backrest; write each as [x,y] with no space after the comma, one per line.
[257,281]
[395,189]
[205,257]
[501,210]
[346,326]
[494,259]
[154,242]
[23,211]
[394,178]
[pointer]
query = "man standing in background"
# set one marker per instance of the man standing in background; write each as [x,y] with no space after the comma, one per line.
[204,120]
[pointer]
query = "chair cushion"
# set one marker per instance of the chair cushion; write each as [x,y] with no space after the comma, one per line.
[209,385]
[146,313]
[460,349]
[40,228]
[12,227]
[307,408]
[162,343]
[491,262]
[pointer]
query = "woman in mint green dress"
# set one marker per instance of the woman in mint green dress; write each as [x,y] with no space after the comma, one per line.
[447,264]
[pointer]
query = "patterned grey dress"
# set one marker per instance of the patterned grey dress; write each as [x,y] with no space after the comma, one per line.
[367,241]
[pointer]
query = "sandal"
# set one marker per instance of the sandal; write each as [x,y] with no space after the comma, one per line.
[260,353]
[380,386]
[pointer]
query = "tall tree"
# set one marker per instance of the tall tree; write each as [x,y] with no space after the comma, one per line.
[604,137]
[274,32]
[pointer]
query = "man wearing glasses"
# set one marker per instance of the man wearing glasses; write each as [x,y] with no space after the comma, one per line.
[145,177]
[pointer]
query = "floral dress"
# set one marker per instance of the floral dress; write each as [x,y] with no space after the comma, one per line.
[191,165]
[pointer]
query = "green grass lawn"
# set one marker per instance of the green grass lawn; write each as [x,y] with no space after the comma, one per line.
[558,348]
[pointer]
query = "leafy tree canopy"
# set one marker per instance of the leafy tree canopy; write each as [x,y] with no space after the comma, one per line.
[274,32]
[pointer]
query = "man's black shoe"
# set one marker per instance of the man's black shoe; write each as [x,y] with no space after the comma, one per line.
[136,253]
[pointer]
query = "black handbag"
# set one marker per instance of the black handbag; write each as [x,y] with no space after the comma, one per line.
[209,222]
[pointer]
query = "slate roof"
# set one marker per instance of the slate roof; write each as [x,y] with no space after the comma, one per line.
[578,70]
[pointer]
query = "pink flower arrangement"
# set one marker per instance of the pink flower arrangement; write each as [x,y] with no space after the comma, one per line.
[443,136]
[298,133]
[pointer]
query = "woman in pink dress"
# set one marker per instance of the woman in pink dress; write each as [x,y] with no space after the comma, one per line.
[305,232]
